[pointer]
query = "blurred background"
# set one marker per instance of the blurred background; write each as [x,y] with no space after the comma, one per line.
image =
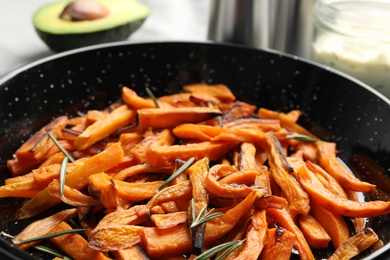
[184,20]
[350,36]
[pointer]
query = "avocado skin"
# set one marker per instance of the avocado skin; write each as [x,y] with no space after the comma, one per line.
[64,42]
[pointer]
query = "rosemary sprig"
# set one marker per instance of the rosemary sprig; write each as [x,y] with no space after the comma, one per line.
[202,218]
[150,94]
[230,249]
[226,248]
[301,137]
[177,173]
[62,149]
[52,252]
[54,234]
[64,166]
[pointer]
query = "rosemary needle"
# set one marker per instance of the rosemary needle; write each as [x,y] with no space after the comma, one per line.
[64,166]
[301,137]
[202,218]
[177,173]
[150,94]
[228,246]
[54,234]
[50,251]
[62,149]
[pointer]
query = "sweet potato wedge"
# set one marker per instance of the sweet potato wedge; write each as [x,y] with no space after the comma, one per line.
[315,234]
[151,139]
[280,243]
[285,220]
[328,161]
[134,252]
[102,189]
[197,175]
[36,146]
[158,118]
[131,98]
[337,204]
[77,179]
[75,245]
[162,156]
[136,191]
[285,120]
[177,239]
[355,244]
[71,196]
[255,238]
[297,197]
[333,223]
[22,189]
[226,189]
[101,129]
[42,227]
[169,220]
[33,151]
[115,237]
[219,91]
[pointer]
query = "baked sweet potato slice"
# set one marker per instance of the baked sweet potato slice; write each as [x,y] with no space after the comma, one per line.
[333,223]
[299,201]
[314,233]
[355,244]
[285,220]
[151,139]
[131,253]
[115,237]
[200,198]
[169,220]
[101,129]
[136,191]
[75,245]
[255,238]
[159,118]
[280,243]
[42,227]
[102,189]
[328,160]
[219,91]
[34,151]
[162,156]
[227,189]
[338,204]
[71,196]
[177,239]
[78,179]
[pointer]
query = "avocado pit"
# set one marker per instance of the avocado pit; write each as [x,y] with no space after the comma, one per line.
[84,10]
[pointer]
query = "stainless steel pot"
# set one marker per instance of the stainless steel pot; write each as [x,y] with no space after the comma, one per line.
[283,25]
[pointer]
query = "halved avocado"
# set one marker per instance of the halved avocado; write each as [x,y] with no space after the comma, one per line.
[64,31]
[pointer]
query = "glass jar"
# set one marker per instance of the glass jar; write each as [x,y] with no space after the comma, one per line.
[353,36]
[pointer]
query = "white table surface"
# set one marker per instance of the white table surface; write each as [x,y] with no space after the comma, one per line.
[182,20]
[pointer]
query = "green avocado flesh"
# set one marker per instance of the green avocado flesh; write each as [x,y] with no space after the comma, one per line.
[125,16]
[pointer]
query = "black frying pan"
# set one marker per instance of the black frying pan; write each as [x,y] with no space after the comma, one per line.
[336,108]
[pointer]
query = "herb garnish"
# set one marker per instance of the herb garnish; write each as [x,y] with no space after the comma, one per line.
[177,173]
[64,166]
[50,251]
[301,137]
[202,218]
[51,235]
[226,248]
[150,94]
[62,149]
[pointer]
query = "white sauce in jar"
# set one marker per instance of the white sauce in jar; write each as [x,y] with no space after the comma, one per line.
[356,41]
